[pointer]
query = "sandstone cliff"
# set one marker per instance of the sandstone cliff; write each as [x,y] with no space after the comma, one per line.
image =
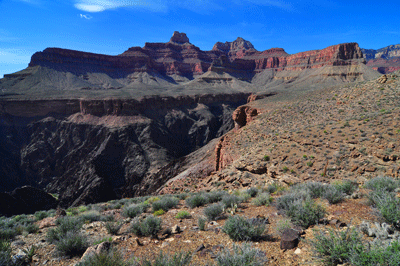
[384,60]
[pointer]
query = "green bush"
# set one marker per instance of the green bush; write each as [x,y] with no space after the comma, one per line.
[283,225]
[263,199]
[183,215]
[241,255]
[336,247]
[196,201]
[388,205]
[32,228]
[252,192]
[305,212]
[333,195]
[113,228]
[134,210]
[285,201]
[148,227]
[375,255]
[178,259]
[90,216]
[202,223]
[5,252]
[215,196]
[40,215]
[213,211]
[346,186]
[241,229]
[65,224]
[110,258]
[382,183]
[72,244]
[165,204]
[231,200]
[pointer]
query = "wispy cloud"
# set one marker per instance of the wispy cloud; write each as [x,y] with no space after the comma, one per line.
[102,5]
[272,3]
[85,16]
[33,2]
[199,6]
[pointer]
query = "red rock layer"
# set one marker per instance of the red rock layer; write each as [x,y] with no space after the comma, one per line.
[385,66]
[179,56]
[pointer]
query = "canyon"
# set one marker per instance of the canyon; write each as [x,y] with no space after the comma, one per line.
[91,127]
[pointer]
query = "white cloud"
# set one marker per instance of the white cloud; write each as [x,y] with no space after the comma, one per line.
[102,5]
[199,6]
[85,16]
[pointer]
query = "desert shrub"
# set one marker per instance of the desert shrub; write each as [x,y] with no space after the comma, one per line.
[5,252]
[196,201]
[316,189]
[183,215]
[241,255]
[32,228]
[134,210]
[252,192]
[333,195]
[285,201]
[346,186]
[213,211]
[113,228]
[65,225]
[106,258]
[301,209]
[241,229]
[40,215]
[336,247]
[7,233]
[215,196]
[202,223]
[91,216]
[263,199]
[231,200]
[165,204]
[150,200]
[376,255]
[382,183]
[388,205]
[159,212]
[162,259]
[72,244]
[148,227]
[283,225]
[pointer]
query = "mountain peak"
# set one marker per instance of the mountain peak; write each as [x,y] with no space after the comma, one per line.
[236,45]
[179,38]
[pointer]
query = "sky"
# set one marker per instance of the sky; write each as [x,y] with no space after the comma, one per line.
[112,26]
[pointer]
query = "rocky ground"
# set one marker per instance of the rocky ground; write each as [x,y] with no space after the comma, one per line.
[350,132]
[204,245]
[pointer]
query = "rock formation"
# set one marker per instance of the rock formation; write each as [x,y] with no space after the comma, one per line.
[94,127]
[385,60]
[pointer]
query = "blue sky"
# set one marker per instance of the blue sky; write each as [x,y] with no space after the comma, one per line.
[112,26]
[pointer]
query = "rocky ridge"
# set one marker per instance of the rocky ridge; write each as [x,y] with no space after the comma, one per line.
[384,60]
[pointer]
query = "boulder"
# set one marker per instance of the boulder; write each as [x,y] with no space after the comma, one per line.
[289,239]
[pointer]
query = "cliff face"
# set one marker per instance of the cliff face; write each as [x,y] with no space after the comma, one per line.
[90,151]
[384,60]
[180,57]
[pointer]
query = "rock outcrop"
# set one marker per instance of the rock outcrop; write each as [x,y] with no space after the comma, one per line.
[26,200]
[385,60]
